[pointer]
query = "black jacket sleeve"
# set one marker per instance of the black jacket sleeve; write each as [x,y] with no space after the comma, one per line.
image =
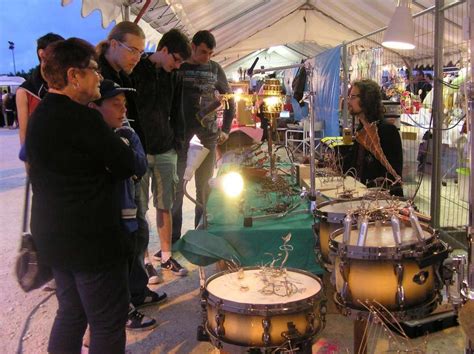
[222,86]
[100,141]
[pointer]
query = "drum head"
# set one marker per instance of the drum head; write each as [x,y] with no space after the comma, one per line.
[381,235]
[336,210]
[250,289]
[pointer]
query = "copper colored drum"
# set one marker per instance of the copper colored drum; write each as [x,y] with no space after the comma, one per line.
[239,314]
[398,277]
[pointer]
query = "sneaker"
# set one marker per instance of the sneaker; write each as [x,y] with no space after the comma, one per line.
[153,277]
[137,321]
[172,265]
[157,256]
[152,298]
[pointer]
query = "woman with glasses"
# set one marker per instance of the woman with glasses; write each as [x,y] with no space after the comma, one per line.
[76,162]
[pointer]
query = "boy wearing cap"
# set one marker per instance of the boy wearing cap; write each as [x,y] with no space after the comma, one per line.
[112,107]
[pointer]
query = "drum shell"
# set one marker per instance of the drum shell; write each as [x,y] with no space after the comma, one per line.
[242,324]
[377,281]
[371,272]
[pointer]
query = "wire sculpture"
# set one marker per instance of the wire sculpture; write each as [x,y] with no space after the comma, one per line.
[382,323]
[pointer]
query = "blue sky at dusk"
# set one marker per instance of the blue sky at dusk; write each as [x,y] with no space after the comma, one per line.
[23,21]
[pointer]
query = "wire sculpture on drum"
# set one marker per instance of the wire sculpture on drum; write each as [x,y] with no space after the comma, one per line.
[275,278]
[270,307]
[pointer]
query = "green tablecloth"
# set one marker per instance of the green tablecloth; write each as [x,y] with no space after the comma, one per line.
[227,238]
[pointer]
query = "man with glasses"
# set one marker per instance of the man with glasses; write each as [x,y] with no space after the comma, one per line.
[118,56]
[201,78]
[159,98]
[365,104]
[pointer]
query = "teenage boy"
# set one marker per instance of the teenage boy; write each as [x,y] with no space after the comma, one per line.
[112,107]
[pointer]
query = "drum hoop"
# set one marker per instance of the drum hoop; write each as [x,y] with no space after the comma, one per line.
[411,250]
[264,309]
[411,313]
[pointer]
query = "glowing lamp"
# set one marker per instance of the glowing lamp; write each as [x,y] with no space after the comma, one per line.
[232,184]
[400,33]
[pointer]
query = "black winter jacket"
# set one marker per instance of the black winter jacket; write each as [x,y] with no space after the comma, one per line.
[160,107]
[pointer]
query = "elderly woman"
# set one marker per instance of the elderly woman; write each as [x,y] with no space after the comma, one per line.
[76,161]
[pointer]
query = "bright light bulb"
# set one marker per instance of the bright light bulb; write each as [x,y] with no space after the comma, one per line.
[272,101]
[233,184]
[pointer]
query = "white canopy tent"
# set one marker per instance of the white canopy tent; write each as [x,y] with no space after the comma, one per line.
[243,27]
[11,80]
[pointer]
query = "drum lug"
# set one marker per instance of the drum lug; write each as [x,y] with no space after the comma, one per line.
[400,296]
[266,324]
[220,318]
[310,317]
[344,270]
[292,332]
[202,335]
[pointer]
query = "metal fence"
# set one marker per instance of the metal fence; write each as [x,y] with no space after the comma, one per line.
[435,172]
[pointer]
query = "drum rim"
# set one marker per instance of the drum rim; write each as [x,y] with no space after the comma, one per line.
[264,309]
[411,250]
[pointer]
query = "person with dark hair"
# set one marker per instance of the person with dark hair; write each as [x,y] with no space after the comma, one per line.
[30,93]
[159,98]
[201,78]
[76,161]
[421,85]
[112,107]
[119,54]
[365,103]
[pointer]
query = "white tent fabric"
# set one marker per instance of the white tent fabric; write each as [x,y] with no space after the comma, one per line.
[11,80]
[111,10]
[242,27]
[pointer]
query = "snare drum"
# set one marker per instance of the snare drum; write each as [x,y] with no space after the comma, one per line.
[329,217]
[241,311]
[402,278]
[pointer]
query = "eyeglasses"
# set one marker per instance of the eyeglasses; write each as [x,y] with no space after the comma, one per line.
[177,59]
[94,69]
[353,97]
[131,50]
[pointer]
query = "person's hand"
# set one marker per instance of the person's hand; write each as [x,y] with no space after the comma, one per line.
[221,139]
[125,132]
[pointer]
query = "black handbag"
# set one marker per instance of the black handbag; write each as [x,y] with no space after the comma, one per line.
[30,274]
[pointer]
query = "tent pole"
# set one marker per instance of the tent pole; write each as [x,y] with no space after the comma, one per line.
[470,120]
[437,116]
[345,87]
[126,12]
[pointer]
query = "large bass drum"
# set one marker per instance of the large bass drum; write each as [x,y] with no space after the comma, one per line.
[400,277]
[249,308]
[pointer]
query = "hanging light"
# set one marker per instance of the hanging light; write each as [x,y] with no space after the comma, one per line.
[400,33]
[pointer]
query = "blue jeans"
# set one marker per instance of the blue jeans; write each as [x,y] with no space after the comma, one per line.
[99,298]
